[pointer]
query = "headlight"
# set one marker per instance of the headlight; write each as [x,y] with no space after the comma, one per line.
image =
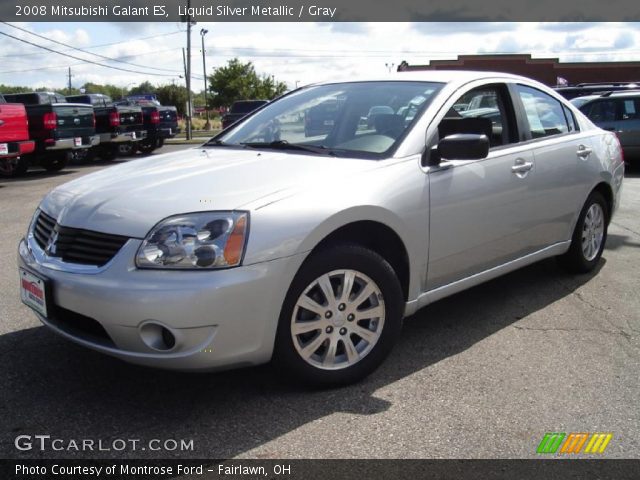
[195,240]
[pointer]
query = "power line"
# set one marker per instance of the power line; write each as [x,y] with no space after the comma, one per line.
[84,59]
[104,57]
[53,67]
[31,54]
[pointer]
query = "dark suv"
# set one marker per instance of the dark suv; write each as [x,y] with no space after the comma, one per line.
[241,109]
[618,112]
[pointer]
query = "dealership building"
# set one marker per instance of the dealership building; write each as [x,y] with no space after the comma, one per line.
[549,71]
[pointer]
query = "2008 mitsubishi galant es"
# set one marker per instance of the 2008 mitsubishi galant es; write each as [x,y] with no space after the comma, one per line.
[309,248]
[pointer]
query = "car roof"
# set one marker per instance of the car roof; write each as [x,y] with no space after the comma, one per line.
[605,95]
[441,76]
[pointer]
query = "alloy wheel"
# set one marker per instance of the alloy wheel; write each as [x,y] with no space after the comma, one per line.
[592,232]
[338,319]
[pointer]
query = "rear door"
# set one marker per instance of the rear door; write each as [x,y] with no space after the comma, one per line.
[481,210]
[563,157]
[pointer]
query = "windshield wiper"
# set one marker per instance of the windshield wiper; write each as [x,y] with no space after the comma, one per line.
[217,143]
[285,145]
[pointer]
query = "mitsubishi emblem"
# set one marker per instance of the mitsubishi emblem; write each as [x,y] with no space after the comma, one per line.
[51,244]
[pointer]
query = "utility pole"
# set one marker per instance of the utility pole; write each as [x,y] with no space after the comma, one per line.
[207,124]
[69,80]
[189,108]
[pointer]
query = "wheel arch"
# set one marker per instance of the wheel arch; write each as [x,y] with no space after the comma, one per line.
[378,237]
[607,192]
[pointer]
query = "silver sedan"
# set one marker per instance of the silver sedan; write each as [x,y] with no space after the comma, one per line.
[306,232]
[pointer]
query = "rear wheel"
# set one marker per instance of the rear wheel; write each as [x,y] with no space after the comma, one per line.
[341,317]
[13,167]
[55,162]
[147,146]
[589,236]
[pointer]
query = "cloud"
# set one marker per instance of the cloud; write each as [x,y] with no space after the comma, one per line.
[348,27]
[435,28]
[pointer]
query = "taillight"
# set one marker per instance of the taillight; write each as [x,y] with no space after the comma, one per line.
[114,119]
[619,147]
[50,120]
[155,117]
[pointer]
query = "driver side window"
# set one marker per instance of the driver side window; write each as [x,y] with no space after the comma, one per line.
[481,111]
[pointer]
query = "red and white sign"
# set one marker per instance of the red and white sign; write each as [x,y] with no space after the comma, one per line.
[33,292]
[4,149]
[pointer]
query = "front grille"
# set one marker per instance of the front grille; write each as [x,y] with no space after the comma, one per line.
[75,245]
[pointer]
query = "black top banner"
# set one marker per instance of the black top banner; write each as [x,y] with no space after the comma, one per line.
[316,10]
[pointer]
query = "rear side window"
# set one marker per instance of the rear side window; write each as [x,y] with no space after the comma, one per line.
[630,109]
[601,111]
[545,114]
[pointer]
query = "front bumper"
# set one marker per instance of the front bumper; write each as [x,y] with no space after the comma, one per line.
[220,319]
[69,143]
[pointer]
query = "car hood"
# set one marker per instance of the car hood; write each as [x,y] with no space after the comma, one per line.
[129,199]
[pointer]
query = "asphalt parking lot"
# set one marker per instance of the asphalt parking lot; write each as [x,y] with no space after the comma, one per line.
[482,374]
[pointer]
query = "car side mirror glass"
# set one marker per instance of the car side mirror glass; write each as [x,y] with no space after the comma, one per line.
[463,146]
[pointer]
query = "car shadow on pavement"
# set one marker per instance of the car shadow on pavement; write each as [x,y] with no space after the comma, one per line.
[53,387]
[615,242]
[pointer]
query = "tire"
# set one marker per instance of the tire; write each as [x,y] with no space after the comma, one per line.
[147,146]
[108,153]
[13,167]
[56,161]
[589,236]
[307,356]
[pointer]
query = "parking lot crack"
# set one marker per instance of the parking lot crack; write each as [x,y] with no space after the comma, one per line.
[622,333]
[626,228]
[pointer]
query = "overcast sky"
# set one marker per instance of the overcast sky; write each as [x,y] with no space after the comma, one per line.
[292,52]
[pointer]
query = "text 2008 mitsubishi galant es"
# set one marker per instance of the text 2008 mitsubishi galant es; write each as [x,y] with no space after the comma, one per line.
[307,231]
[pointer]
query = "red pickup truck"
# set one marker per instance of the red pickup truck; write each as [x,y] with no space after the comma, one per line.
[14,139]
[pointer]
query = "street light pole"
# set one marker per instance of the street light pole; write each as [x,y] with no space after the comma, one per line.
[207,124]
[189,108]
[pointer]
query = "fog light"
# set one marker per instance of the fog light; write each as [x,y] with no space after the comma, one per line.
[157,337]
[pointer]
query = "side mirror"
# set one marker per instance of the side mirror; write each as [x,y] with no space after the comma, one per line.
[463,146]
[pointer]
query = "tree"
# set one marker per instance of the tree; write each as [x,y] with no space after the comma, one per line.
[239,81]
[112,91]
[173,95]
[144,87]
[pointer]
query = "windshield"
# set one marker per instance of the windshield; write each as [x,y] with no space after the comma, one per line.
[365,119]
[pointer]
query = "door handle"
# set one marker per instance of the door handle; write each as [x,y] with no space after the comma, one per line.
[583,152]
[521,166]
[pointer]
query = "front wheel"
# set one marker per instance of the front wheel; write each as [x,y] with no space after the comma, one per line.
[341,317]
[589,236]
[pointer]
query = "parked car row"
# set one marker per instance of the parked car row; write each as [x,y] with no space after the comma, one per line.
[48,129]
[614,107]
